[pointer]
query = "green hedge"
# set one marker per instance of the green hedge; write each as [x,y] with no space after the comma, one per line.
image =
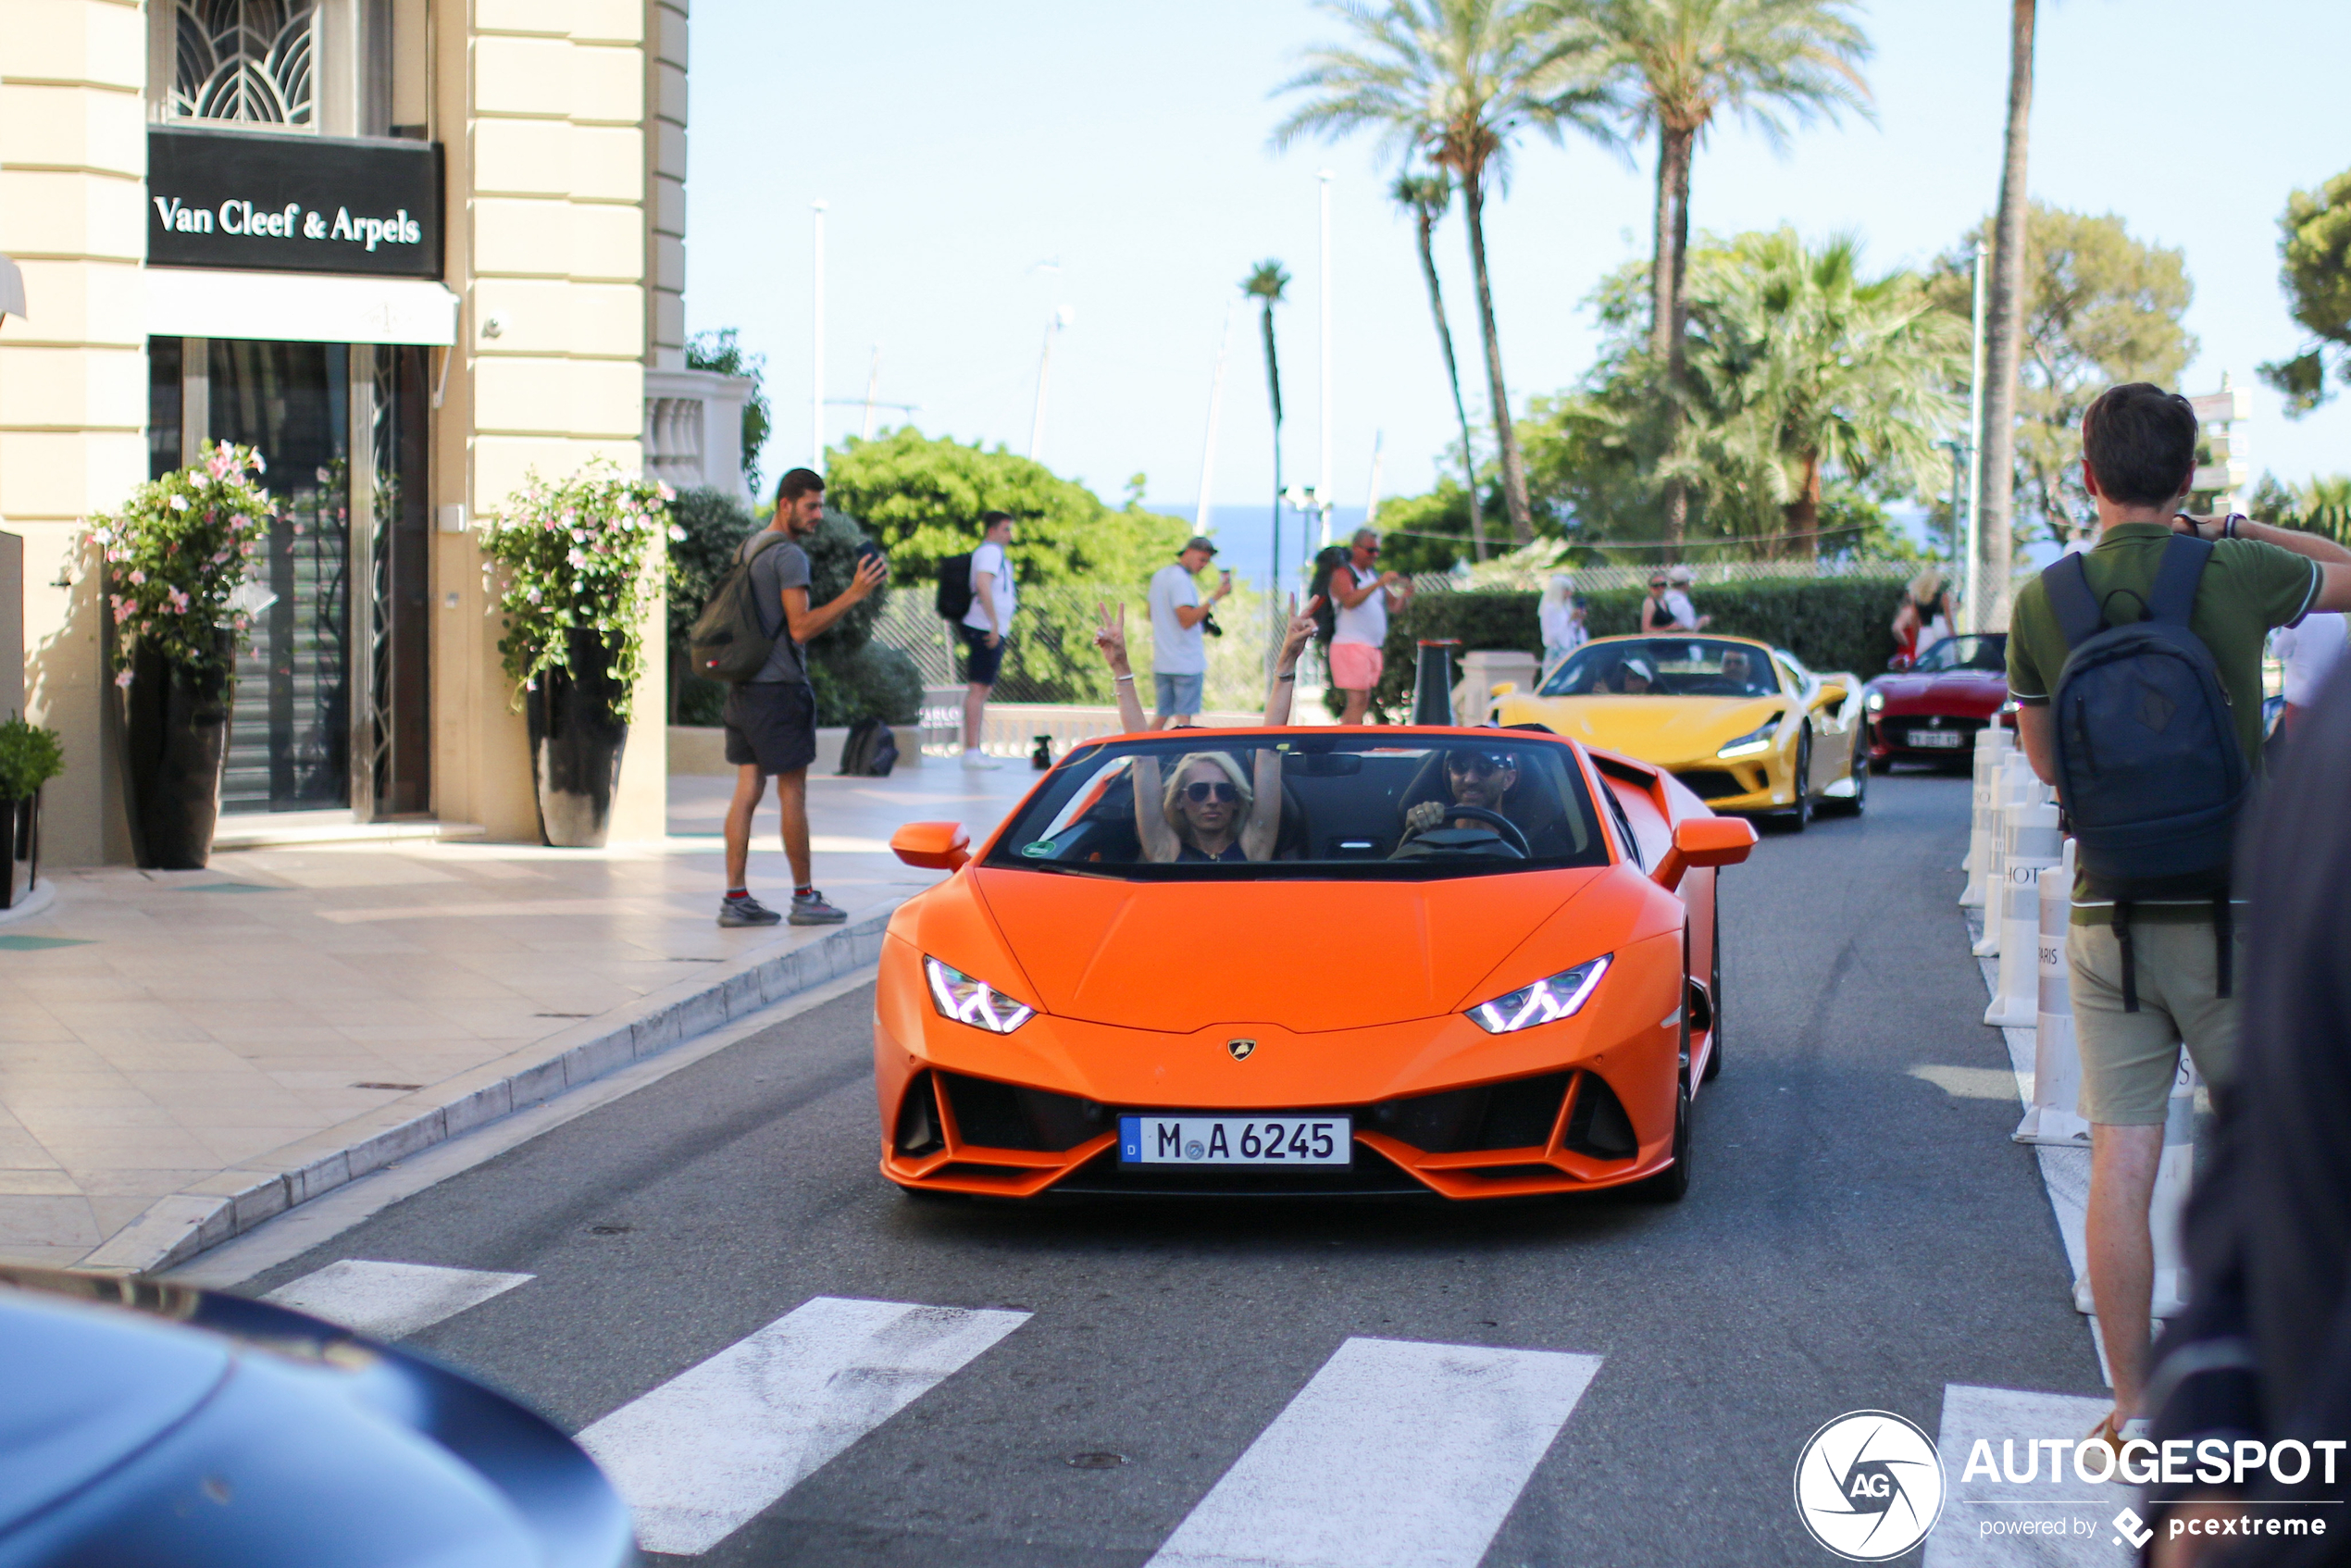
[1830,624]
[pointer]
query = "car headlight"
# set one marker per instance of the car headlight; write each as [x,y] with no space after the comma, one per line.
[968,1001]
[1875,702]
[1754,740]
[1557,997]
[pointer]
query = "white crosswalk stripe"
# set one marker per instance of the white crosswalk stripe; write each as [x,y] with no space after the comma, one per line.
[2004,1524]
[391,1300]
[1395,1455]
[705,1452]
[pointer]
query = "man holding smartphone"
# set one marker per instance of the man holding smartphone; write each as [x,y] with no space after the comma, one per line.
[1179,648]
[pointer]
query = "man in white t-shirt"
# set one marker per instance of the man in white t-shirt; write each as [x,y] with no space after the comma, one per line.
[1362,596]
[985,625]
[1677,602]
[1179,648]
[2309,649]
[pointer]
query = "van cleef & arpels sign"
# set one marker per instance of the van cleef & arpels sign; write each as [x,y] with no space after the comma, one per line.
[293,204]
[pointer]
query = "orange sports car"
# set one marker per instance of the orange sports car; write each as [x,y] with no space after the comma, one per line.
[1473,962]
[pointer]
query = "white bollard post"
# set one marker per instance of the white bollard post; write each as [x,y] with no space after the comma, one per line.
[2012,791]
[1992,744]
[2167,1215]
[2054,1116]
[2031,842]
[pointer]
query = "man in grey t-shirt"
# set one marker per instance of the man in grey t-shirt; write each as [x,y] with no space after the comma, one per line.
[771,718]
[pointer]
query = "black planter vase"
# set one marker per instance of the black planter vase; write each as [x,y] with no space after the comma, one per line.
[576,744]
[19,849]
[175,733]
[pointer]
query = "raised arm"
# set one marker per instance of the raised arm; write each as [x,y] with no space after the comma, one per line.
[1151,824]
[1109,637]
[1285,683]
[2334,561]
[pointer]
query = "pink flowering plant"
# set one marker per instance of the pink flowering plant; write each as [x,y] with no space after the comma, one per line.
[577,554]
[177,553]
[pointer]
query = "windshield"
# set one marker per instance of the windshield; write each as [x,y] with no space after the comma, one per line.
[1664,667]
[1203,807]
[1989,655]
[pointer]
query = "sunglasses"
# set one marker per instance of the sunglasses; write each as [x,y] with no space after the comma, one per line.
[1477,765]
[1198,793]
[1658,582]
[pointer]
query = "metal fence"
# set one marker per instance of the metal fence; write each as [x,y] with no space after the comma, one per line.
[1051,659]
[1530,575]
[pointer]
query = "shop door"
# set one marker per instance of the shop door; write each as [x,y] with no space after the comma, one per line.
[333,695]
[290,725]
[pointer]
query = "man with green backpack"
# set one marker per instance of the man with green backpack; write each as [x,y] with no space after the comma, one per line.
[750,635]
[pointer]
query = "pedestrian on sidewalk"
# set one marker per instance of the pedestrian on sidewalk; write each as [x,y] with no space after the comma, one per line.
[2260,1353]
[1668,607]
[1559,617]
[1362,598]
[2150,957]
[2309,652]
[984,627]
[771,718]
[1179,644]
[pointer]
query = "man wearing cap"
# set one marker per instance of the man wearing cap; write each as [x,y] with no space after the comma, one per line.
[1179,649]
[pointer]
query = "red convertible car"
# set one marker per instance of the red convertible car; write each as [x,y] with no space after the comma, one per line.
[1929,710]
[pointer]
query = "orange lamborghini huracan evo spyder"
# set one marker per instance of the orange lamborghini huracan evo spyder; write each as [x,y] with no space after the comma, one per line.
[1473,963]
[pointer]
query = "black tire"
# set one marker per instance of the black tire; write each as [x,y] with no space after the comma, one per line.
[1801,817]
[1714,995]
[1670,1184]
[1881,764]
[1854,804]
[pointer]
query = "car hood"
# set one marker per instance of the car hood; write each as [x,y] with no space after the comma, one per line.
[1965,691]
[1308,956]
[1660,729]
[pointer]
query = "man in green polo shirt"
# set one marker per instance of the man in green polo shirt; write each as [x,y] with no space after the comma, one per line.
[2139,444]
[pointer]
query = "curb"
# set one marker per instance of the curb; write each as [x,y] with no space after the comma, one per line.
[179,1225]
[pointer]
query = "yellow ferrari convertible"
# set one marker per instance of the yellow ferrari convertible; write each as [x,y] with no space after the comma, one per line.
[1745,725]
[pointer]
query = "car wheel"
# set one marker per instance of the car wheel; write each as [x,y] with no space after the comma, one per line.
[1714,997]
[1884,764]
[1671,1184]
[1801,818]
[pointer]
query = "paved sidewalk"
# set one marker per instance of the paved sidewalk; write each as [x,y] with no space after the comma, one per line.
[183,1053]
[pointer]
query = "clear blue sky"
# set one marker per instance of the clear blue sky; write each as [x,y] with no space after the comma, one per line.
[985,165]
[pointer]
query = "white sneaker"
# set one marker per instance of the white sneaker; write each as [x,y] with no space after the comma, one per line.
[980,760]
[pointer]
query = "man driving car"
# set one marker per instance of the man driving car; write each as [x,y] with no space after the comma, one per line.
[1479,779]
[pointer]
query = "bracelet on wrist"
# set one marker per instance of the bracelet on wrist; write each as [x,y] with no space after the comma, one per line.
[1287,674]
[1125,678]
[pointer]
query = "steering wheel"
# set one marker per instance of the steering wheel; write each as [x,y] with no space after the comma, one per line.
[1514,837]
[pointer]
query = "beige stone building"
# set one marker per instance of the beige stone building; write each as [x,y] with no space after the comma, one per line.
[500,285]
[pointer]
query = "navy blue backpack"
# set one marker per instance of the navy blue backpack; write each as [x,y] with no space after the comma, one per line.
[2148,765]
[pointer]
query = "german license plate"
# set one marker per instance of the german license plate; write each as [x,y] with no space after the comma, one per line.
[1947,739]
[1236,1140]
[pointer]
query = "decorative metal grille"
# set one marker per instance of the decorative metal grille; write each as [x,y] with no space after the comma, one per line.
[245,60]
[374,731]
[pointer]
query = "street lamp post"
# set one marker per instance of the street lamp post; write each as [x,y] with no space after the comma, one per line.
[1975,448]
[817,342]
[1322,472]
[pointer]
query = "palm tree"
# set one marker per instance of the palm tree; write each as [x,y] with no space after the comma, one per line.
[1686,61]
[2004,341]
[1427,196]
[1812,369]
[1454,81]
[1266,283]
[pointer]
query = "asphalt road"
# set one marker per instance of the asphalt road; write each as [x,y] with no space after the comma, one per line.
[1856,1238]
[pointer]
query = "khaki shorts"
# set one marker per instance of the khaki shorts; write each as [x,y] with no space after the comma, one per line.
[2130,1059]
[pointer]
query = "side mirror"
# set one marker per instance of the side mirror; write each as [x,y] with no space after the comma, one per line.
[1830,694]
[1501,689]
[933,846]
[1898,664]
[1704,840]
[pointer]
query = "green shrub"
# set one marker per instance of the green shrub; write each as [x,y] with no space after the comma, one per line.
[29,757]
[1830,622]
[875,679]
